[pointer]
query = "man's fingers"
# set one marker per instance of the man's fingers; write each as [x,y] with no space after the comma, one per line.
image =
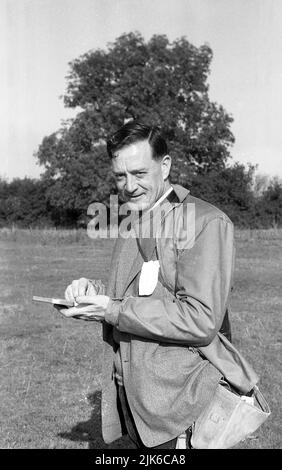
[69,312]
[78,309]
[69,293]
[82,286]
[74,286]
[77,288]
[82,312]
[98,301]
[87,299]
[91,290]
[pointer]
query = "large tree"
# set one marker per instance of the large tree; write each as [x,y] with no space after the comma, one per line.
[230,189]
[158,82]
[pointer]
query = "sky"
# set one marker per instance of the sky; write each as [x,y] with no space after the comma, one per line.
[38,39]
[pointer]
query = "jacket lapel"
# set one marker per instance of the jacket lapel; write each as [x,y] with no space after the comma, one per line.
[134,270]
[145,230]
[133,252]
[111,286]
[124,267]
[145,236]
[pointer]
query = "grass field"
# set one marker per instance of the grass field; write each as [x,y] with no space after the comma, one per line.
[51,366]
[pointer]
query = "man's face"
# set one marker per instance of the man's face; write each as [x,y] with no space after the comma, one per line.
[140,179]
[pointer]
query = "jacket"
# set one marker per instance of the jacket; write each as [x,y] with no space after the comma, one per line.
[196,273]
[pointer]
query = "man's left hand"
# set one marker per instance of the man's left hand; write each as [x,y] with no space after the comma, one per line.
[90,307]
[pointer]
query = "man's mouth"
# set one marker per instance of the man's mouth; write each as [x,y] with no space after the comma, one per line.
[134,197]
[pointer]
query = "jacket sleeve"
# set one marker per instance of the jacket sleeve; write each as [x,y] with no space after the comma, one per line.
[194,316]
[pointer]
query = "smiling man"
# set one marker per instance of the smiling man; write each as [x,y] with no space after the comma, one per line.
[141,170]
[166,304]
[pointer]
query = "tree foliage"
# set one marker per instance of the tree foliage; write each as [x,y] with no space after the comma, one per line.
[23,202]
[157,82]
[269,206]
[230,189]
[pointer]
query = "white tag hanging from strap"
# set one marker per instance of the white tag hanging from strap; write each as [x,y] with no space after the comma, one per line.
[149,277]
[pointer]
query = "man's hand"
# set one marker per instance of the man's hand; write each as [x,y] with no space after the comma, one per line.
[89,304]
[79,287]
[88,308]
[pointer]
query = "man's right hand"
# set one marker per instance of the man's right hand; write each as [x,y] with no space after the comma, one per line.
[79,288]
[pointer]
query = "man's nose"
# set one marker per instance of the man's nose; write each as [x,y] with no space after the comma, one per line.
[131,185]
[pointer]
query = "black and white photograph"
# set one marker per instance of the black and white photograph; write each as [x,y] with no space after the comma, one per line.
[141,227]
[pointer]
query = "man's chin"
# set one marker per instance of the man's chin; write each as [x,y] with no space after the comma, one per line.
[137,205]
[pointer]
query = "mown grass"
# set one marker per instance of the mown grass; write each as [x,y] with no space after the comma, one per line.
[51,367]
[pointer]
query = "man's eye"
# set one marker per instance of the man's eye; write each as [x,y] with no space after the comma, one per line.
[140,174]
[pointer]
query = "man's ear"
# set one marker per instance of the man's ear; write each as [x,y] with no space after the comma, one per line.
[166,164]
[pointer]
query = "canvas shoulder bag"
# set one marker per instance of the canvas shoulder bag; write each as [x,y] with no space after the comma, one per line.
[229,418]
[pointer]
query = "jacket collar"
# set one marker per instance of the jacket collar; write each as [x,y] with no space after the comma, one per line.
[180,192]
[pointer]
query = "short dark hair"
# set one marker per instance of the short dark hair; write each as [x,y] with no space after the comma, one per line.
[136,131]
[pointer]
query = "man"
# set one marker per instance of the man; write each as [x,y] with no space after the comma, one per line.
[166,301]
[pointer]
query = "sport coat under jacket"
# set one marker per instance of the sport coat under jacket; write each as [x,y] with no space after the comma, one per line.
[196,268]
